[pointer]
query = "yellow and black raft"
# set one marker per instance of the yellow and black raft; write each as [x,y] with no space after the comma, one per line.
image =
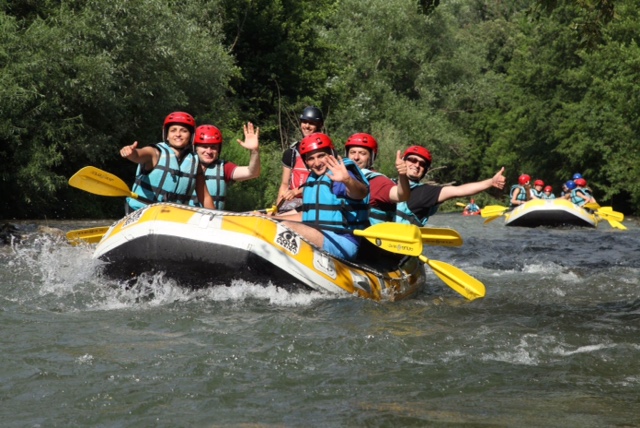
[204,247]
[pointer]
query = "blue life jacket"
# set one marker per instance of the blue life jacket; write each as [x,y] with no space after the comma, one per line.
[406,216]
[169,181]
[377,215]
[577,199]
[539,195]
[545,196]
[522,196]
[321,207]
[217,187]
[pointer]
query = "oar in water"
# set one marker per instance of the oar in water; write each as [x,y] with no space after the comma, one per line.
[606,213]
[99,182]
[406,239]
[90,236]
[492,212]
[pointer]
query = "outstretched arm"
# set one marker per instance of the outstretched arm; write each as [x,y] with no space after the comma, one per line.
[251,138]
[449,192]
[146,156]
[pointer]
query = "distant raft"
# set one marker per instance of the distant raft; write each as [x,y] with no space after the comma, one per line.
[550,212]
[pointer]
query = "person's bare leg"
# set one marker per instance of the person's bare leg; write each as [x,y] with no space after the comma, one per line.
[309,233]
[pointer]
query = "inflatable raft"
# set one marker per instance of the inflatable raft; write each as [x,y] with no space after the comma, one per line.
[203,247]
[550,212]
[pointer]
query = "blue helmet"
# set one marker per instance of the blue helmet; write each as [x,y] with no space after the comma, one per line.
[570,185]
[577,175]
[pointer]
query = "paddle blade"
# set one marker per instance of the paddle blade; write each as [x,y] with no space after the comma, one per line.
[493,211]
[442,237]
[394,237]
[608,213]
[460,204]
[99,182]
[617,225]
[490,219]
[460,281]
[91,236]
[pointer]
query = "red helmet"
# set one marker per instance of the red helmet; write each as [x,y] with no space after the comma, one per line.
[538,183]
[418,151]
[314,142]
[363,140]
[581,182]
[207,135]
[548,189]
[178,118]
[524,179]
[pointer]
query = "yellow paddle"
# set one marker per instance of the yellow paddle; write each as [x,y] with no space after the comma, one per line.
[607,213]
[275,208]
[90,236]
[99,182]
[441,236]
[406,239]
[492,212]
[460,204]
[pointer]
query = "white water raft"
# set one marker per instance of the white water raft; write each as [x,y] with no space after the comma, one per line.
[201,247]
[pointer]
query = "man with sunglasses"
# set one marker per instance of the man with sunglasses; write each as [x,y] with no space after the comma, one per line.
[426,198]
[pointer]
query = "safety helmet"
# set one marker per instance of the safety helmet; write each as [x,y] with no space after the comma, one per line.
[580,182]
[547,189]
[570,184]
[576,176]
[207,135]
[524,179]
[538,183]
[314,142]
[312,114]
[418,151]
[178,118]
[363,140]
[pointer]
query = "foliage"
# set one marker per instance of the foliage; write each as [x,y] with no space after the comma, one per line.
[537,86]
[81,79]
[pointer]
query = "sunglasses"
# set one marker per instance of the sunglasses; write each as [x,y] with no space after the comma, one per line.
[419,161]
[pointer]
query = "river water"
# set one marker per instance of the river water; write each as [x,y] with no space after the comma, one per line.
[555,343]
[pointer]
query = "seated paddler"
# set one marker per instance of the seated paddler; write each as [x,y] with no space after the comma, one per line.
[335,200]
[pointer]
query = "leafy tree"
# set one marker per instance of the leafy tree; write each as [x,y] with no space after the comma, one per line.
[83,78]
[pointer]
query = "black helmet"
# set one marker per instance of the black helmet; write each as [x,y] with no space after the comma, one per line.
[312,114]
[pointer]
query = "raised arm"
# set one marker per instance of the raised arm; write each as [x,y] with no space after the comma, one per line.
[251,143]
[401,192]
[355,189]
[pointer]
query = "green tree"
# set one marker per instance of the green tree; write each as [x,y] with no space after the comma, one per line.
[81,79]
